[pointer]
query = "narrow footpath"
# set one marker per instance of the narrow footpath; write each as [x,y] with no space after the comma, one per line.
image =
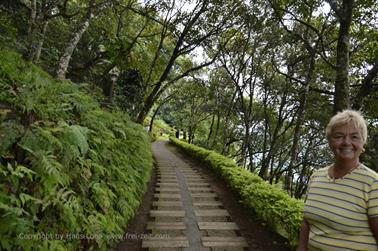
[186,213]
[187,208]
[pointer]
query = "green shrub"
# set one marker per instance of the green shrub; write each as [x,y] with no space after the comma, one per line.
[282,213]
[72,174]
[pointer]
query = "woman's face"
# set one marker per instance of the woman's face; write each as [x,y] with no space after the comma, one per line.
[346,142]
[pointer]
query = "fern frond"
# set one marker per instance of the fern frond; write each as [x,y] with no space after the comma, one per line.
[27,197]
[76,137]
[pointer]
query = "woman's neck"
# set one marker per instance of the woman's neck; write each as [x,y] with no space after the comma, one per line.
[342,168]
[346,165]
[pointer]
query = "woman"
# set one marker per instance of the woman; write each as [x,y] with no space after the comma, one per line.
[341,209]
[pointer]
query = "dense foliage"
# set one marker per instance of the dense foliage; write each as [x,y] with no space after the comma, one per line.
[274,206]
[72,174]
[254,80]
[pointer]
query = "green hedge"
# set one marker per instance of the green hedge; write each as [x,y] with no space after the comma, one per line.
[71,174]
[282,213]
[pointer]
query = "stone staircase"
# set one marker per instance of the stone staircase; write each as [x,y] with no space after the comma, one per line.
[186,213]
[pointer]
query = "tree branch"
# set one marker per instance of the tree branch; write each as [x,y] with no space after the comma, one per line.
[366,87]
[303,82]
[335,8]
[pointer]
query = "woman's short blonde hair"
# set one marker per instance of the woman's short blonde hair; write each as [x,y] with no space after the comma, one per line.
[346,117]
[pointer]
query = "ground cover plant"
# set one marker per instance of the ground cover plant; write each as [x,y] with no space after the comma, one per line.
[71,173]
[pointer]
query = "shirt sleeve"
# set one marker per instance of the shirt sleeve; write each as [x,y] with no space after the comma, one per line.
[373,200]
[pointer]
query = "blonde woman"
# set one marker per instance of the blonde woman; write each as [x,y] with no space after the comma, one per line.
[341,209]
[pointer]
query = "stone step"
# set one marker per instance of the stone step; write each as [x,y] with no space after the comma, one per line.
[198,179]
[200,189]
[212,212]
[172,242]
[164,203]
[168,184]
[167,196]
[173,176]
[166,225]
[207,203]
[197,184]
[204,195]
[169,181]
[208,241]
[167,189]
[167,213]
[217,226]
[166,179]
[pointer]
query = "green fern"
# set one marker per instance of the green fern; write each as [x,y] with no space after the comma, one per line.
[72,168]
[10,132]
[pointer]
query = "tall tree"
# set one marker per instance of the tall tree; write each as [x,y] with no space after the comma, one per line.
[200,26]
[309,38]
[344,14]
[40,14]
[75,37]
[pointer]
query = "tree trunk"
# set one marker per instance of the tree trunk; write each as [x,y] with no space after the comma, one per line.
[155,113]
[36,40]
[225,134]
[152,120]
[264,163]
[211,130]
[216,131]
[296,138]
[190,136]
[70,47]
[40,43]
[299,123]
[301,185]
[269,159]
[38,22]
[344,14]
[32,31]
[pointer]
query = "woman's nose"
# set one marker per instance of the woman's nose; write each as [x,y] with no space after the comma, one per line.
[347,140]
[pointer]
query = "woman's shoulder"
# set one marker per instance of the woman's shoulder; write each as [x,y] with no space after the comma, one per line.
[364,170]
[321,171]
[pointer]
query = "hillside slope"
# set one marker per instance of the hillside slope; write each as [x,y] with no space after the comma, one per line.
[72,174]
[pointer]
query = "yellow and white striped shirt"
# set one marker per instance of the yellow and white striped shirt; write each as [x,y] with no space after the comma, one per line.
[338,210]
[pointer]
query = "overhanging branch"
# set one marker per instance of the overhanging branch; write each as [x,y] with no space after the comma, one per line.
[303,82]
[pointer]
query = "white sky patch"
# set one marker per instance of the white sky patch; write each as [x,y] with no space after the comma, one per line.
[199,56]
[188,6]
[325,8]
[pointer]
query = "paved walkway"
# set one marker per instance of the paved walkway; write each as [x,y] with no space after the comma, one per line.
[186,213]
